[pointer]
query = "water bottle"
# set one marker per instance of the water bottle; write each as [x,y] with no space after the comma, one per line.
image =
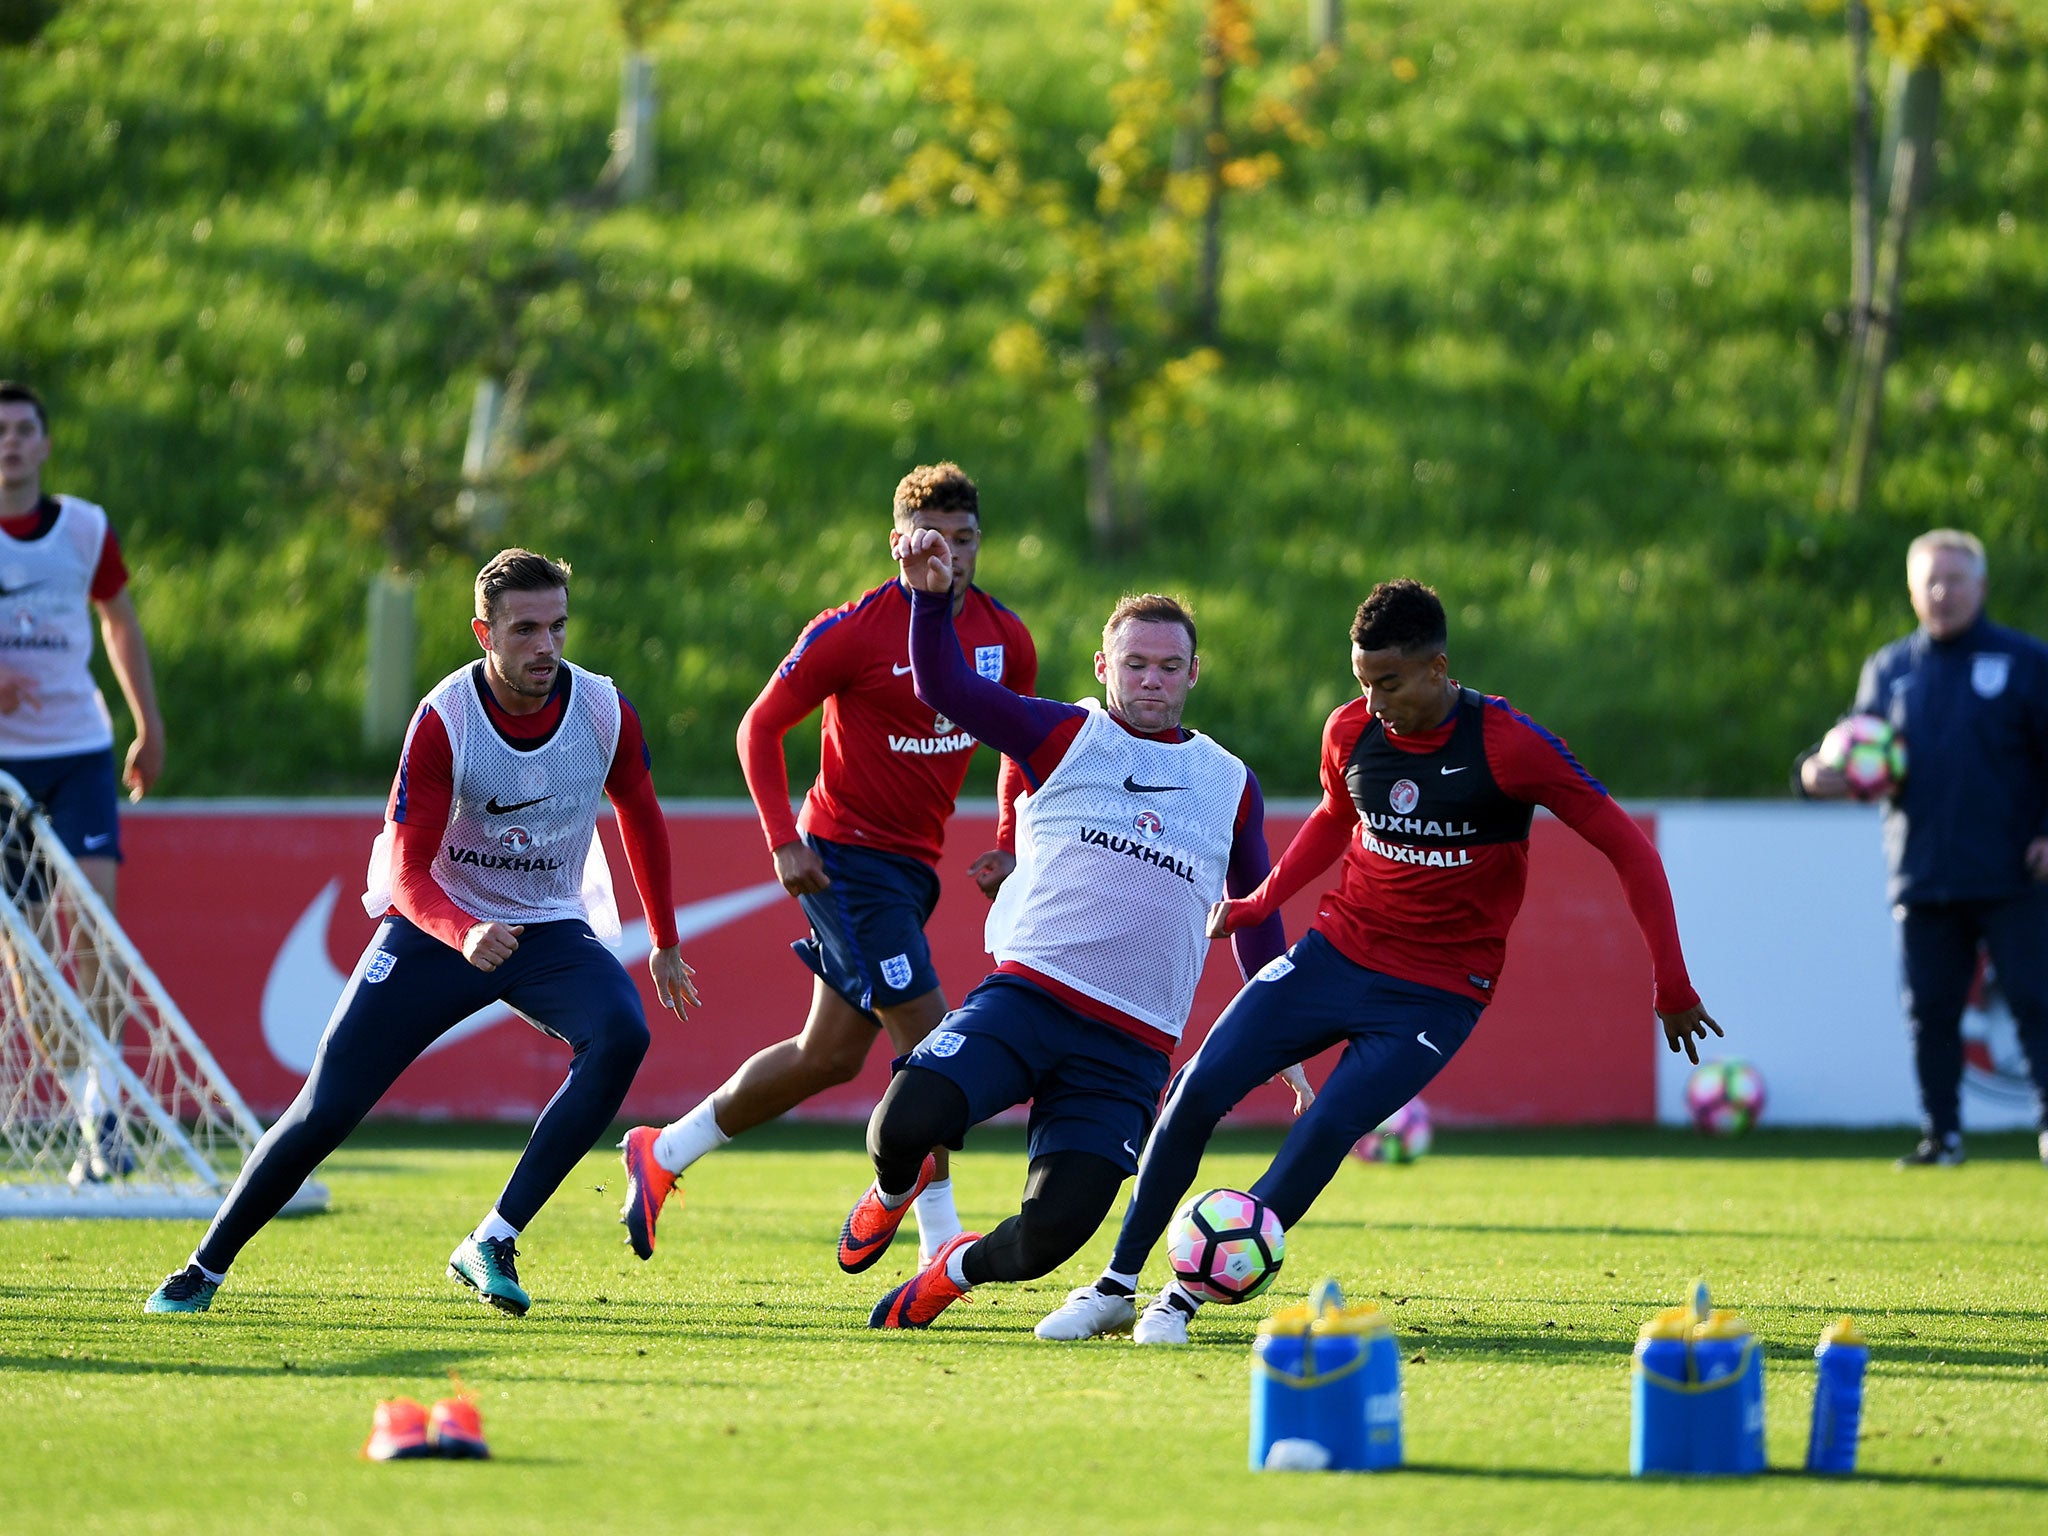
[1839,1360]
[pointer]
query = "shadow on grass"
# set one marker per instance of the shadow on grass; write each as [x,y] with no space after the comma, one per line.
[1786,1474]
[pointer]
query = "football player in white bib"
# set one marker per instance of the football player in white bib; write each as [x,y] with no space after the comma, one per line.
[1133,828]
[493,889]
[60,568]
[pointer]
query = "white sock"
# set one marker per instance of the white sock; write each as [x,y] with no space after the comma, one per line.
[193,1263]
[1186,1299]
[937,1221]
[1128,1282]
[683,1141]
[94,1101]
[956,1270]
[492,1226]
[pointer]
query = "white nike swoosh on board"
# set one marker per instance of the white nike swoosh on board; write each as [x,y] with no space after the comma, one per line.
[1449,771]
[304,984]
[899,671]
[1422,1038]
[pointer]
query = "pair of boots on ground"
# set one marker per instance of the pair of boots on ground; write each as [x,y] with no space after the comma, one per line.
[402,1430]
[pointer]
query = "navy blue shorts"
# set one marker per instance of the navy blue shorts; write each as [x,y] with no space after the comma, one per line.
[80,795]
[867,928]
[1092,1088]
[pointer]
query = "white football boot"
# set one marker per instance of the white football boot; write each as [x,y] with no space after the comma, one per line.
[1088,1314]
[1164,1320]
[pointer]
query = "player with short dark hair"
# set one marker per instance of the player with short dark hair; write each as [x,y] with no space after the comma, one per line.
[60,567]
[1428,793]
[493,888]
[862,859]
[1134,826]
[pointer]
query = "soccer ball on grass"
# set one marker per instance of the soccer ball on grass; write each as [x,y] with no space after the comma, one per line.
[1868,752]
[1401,1138]
[1225,1245]
[1724,1098]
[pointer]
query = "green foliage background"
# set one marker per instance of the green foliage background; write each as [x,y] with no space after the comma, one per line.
[1552,325]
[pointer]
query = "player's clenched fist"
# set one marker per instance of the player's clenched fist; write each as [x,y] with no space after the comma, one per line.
[489,945]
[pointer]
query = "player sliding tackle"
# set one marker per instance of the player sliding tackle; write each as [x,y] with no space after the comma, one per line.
[490,881]
[1428,792]
[1135,827]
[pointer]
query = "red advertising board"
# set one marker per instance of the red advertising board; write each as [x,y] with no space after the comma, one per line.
[251,917]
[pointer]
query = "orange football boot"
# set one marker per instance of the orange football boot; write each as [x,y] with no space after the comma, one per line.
[871,1226]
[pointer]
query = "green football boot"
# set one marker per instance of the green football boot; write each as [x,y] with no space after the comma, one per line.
[487,1268]
[187,1291]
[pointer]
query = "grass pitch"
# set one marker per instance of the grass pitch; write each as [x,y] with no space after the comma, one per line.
[730,1385]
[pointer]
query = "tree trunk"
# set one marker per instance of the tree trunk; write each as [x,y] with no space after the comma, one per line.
[1859,449]
[629,174]
[480,502]
[1100,346]
[393,636]
[1862,176]
[1912,114]
[1215,146]
[1326,22]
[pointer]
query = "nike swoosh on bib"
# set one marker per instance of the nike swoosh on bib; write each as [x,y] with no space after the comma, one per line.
[1136,788]
[496,809]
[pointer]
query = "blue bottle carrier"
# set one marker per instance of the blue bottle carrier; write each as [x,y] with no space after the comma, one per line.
[1698,1394]
[1326,1387]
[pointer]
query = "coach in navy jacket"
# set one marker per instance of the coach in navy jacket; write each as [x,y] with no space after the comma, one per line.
[1966,836]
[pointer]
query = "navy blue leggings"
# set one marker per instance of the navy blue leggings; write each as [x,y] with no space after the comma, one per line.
[410,989]
[1399,1034]
[1938,953]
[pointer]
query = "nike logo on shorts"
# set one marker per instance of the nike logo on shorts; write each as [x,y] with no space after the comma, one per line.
[1130,1149]
[899,671]
[1136,788]
[98,839]
[1422,1038]
[496,809]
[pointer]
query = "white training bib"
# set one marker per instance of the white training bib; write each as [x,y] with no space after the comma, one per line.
[46,632]
[521,843]
[1120,854]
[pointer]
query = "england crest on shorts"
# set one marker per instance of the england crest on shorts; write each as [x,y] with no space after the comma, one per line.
[896,972]
[988,661]
[381,964]
[1988,672]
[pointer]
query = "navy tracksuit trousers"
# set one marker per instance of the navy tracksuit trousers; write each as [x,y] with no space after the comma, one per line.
[1938,950]
[408,990]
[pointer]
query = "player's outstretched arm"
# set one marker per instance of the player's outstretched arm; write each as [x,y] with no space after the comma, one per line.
[1015,725]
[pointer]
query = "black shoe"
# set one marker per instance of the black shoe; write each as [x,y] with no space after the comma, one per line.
[1947,1152]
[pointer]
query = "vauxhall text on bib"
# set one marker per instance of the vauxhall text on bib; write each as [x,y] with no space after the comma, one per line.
[1432,808]
[1120,854]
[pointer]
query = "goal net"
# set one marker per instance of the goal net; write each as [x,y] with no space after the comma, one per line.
[110,1105]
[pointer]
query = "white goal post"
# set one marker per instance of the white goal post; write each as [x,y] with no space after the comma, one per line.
[110,1104]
